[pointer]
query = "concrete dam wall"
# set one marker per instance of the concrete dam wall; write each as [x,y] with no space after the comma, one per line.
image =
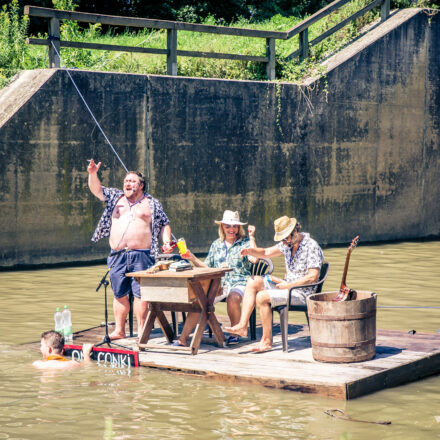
[355,152]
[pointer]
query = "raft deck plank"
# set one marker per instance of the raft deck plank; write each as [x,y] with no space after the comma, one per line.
[400,358]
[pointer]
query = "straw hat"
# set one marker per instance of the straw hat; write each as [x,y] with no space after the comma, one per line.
[283,227]
[230,218]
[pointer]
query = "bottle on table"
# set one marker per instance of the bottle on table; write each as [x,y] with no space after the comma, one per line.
[59,321]
[67,325]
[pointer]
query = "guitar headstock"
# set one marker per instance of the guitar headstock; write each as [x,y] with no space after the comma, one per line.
[354,243]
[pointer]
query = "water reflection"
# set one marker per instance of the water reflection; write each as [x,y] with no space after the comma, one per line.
[101,403]
[95,403]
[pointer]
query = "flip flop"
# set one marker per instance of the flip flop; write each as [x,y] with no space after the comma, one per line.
[232,339]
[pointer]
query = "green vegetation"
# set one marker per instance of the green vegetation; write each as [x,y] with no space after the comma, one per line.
[16,55]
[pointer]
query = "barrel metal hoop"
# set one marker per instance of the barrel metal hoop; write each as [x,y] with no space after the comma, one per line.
[344,359]
[343,317]
[354,344]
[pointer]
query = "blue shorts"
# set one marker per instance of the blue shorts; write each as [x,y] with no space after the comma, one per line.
[124,262]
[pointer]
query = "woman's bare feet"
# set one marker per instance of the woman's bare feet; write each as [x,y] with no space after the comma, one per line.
[236,330]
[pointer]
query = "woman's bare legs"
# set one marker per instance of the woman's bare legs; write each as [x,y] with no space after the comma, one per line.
[233,306]
[233,303]
[253,286]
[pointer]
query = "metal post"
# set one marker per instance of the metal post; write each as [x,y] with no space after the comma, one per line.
[384,10]
[270,53]
[54,35]
[304,44]
[172,52]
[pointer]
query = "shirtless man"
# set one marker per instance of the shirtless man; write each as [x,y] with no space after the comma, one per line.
[134,220]
[52,346]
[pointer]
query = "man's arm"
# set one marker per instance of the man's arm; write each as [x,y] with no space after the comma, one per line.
[310,277]
[94,182]
[262,252]
[165,233]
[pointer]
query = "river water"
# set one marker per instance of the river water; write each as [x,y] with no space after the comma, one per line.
[105,403]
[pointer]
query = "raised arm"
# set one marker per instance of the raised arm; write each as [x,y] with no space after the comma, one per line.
[94,182]
[252,242]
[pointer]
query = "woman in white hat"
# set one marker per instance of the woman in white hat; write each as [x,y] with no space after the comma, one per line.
[226,252]
[303,259]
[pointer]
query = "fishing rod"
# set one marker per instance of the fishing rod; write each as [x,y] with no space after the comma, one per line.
[87,107]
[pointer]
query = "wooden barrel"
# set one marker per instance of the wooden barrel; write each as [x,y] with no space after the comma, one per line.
[342,331]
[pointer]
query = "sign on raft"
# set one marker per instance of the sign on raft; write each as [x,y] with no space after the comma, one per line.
[109,357]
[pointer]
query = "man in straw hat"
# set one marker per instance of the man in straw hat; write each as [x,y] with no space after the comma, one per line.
[303,259]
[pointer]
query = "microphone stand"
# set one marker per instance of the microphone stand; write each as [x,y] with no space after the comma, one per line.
[104,282]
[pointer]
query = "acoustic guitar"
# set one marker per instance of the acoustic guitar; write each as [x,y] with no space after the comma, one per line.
[345,293]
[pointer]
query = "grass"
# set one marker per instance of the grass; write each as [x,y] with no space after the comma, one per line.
[34,57]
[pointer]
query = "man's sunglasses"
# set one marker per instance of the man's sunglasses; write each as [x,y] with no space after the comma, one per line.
[289,236]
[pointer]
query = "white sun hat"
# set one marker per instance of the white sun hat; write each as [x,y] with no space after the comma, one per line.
[230,218]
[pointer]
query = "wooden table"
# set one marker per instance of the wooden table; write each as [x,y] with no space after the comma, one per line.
[187,291]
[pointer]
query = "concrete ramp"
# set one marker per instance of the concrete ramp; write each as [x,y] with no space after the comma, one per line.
[374,34]
[22,88]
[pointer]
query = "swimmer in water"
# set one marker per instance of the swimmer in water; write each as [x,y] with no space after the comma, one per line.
[52,346]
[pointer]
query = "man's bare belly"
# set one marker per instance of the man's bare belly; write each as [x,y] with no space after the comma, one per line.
[131,227]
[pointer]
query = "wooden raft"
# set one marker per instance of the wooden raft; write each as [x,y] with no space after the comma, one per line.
[400,358]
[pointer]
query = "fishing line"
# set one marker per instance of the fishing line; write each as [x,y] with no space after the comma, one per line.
[88,108]
[408,307]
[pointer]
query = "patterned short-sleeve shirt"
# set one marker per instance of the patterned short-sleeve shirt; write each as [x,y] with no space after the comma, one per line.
[308,256]
[219,253]
[158,216]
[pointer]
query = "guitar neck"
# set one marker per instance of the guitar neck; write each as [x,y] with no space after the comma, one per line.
[344,275]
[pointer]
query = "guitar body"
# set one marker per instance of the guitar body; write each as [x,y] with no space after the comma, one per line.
[345,293]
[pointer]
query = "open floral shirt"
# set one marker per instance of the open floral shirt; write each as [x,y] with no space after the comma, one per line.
[158,216]
[308,256]
[219,253]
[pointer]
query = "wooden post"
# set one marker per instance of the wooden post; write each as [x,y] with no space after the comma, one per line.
[54,35]
[270,53]
[384,10]
[172,52]
[304,44]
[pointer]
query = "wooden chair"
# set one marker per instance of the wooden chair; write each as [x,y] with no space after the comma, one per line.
[284,310]
[263,266]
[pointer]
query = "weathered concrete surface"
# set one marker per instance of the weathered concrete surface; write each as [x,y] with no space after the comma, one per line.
[356,153]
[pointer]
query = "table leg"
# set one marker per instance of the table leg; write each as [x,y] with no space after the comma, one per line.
[146,330]
[198,333]
[212,319]
[206,301]
[165,326]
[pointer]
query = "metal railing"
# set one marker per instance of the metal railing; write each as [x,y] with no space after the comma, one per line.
[172,27]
